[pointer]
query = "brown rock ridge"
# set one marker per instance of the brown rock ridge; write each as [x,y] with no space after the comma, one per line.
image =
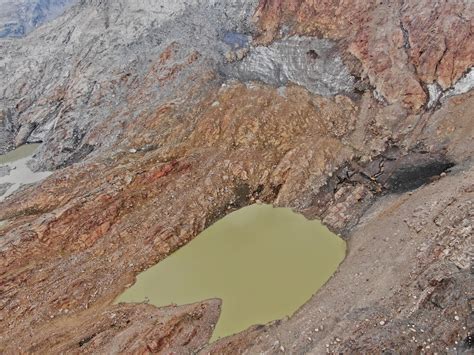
[138,329]
[73,243]
[131,210]
[401,45]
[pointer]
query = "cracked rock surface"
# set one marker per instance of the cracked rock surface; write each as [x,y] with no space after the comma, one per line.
[401,45]
[20,17]
[161,117]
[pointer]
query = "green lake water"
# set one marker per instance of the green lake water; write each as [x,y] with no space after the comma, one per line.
[22,152]
[20,174]
[263,262]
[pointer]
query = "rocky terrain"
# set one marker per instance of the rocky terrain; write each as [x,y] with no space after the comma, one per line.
[161,117]
[18,18]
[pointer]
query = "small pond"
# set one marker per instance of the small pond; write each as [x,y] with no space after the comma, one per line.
[14,170]
[263,262]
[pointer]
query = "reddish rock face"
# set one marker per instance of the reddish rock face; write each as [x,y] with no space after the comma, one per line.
[131,210]
[73,243]
[441,40]
[401,45]
[77,240]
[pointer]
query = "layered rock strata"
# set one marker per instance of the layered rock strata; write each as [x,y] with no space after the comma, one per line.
[158,131]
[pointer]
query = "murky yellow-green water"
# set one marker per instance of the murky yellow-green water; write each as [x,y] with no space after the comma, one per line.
[263,262]
[20,174]
[24,151]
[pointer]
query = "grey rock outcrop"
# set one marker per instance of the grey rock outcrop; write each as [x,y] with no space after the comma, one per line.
[20,17]
[82,69]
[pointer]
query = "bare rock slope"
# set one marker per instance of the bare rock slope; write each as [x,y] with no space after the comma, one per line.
[18,18]
[161,117]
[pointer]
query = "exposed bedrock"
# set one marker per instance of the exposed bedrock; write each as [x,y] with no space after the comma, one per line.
[20,17]
[163,120]
[402,45]
[176,173]
[395,307]
[99,67]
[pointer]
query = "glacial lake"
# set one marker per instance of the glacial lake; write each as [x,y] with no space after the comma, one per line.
[263,262]
[19,173]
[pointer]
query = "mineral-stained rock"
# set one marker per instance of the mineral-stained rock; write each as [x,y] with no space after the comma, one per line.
[156,141]
[156,199]
[125,328]
[401,44]
[395,307]
[440,39]
[130,210]
[103,64]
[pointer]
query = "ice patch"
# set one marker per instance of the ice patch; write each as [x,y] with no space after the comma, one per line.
[310,62]
[463,85]
[434,91]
